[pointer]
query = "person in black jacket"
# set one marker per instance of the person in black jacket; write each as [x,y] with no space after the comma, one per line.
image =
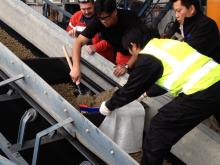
[194,101]
[198,30]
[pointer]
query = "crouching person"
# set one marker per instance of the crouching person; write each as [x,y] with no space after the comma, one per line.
[192,78]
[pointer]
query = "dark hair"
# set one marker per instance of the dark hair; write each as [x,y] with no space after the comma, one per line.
[139,35]
[188,3]
[107,6]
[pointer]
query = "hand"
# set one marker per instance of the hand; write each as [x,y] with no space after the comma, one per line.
[72,33]
[120,70]
[144,95]
[75,74]
[90,49]
[104,110]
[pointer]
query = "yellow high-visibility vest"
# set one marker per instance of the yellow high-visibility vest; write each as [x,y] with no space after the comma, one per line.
[185,69]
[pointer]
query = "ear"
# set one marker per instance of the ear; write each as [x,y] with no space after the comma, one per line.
[115,12]
[134,45]
[192,10]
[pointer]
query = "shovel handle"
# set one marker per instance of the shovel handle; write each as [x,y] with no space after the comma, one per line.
[67,57]
[70,64]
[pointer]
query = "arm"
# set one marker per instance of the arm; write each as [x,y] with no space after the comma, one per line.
[155,90]
[102,45]
[146,72]
[75,18]
[120,70]
[91,30]
[132,61]
[76,55]
[99,45]
[71,23]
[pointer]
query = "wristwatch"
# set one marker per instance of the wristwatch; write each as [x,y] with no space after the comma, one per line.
[126,67]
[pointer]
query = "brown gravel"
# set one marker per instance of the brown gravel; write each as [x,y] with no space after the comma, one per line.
[137,156]
[95,100]
[66,90]
[15,46]
[23,52]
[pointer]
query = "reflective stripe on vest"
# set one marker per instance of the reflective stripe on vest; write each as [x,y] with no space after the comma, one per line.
[197,75]
[183,66]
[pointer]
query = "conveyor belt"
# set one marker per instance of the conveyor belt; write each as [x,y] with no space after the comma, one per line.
[202,147]
[39,92]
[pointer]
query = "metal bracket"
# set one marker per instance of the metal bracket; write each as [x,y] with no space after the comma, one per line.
[28,116]
[46,132]
[13,156]
[5,161]
[28,144]
[10,95]
[5,82]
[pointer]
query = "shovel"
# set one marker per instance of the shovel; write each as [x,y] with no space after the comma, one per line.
[70,66]
[87,109]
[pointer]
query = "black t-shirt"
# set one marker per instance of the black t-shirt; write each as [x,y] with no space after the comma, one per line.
[114,34]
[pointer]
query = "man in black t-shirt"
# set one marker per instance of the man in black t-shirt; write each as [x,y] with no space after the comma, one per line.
[112,23]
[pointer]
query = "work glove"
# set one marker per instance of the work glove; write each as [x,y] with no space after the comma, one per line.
[104,110]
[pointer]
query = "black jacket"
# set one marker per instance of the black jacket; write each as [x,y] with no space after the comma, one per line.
[148,69]
[201,32]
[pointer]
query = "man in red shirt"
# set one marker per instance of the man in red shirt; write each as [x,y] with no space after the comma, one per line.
[78,23]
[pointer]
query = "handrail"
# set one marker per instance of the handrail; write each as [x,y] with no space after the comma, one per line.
[55,7]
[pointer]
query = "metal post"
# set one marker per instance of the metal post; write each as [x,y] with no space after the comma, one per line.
[28,116]
[55,7]
[45,132]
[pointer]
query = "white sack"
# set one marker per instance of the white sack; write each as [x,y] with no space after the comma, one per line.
[125,126]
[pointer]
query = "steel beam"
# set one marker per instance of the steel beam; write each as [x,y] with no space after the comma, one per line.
[89,155]
[13,156]
[12,79]
[50,38]
[60,109]
[5,161]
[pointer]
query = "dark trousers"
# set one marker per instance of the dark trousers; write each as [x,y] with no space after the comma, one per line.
[217,116]
[177,118]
